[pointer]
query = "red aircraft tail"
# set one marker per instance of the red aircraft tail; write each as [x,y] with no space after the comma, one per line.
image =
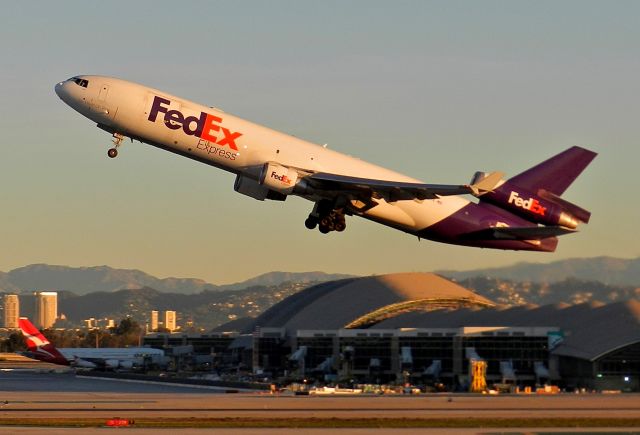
[38,346]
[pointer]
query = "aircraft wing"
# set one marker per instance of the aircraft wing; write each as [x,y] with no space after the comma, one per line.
[392,191]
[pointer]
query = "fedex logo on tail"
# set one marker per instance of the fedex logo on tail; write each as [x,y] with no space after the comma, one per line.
[206,126]
[531,204]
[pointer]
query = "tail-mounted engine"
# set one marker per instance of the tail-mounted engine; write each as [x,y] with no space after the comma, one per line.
[542,207]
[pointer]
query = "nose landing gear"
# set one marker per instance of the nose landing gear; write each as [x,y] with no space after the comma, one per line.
[117,140]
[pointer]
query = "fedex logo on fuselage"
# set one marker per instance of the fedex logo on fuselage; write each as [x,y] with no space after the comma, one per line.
[531,204]
[206,126]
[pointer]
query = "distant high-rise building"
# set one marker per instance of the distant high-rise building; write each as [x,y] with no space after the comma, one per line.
[170,320]
[11,311]
[154,320]
[46,309]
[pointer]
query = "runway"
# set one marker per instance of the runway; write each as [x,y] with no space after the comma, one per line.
[29,396]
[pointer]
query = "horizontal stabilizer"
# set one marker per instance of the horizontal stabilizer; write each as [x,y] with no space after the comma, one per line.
[520,233]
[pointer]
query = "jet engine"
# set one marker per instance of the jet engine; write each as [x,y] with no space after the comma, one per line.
[125,364]
[282,179]
[542,207]
[112,363]
[275,182]
[81,363]
[250,187]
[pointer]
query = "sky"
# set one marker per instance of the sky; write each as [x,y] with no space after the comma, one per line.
[434,89]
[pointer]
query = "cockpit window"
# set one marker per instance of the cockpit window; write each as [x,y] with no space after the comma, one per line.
[80,82]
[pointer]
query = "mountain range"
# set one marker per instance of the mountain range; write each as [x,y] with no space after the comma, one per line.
[607,270]
[104,292]
[84,280]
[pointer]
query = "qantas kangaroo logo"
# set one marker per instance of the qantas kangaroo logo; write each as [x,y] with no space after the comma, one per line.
[202,127]
[531,204]
[38,344]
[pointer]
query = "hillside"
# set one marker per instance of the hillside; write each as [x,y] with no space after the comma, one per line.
[569,291]
[205,310]
[607,270]
[104,292]
[85,280]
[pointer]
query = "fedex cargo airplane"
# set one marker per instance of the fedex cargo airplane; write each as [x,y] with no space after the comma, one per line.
[524,212]
[105,358]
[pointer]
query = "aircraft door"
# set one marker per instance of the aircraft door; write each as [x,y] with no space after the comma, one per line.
[101,106]
[104,91]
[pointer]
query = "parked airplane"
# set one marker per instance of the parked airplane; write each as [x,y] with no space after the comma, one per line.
[106,358]
[522,213]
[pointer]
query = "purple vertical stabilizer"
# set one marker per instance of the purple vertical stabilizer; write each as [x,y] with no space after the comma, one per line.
[524,213]
[557,173]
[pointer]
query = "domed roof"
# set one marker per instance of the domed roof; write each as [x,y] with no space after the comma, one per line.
[362,302]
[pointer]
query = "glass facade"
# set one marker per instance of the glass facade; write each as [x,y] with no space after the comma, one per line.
[623,362]
[522,351]
[425,349]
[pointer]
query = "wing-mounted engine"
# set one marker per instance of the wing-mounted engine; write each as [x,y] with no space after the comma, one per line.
[275,182]
[542,207]
[111,363]
[280,178]
[125,364]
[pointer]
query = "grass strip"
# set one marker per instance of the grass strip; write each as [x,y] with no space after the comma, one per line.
[333,422]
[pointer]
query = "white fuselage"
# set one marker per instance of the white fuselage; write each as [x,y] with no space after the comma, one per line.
[235,145]
[108,353]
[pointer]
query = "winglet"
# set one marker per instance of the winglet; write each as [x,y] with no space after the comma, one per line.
[486,183]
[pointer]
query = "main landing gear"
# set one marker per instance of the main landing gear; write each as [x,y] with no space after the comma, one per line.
[117,140]
[326,218]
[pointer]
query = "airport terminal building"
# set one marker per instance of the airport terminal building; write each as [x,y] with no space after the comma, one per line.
[426,330]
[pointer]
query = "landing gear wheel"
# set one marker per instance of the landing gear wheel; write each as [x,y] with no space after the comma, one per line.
[113,153]
[327,222]
[311,222]
[327,217]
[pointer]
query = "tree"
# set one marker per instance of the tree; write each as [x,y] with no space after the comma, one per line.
[127,333]
[127,326]
[13,343]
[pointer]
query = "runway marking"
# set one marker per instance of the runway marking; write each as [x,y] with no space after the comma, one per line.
[172,384]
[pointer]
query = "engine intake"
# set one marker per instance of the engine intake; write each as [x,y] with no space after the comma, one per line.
[252,188]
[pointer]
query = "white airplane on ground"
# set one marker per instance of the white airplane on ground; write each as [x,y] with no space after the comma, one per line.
[106,358]
[522,213]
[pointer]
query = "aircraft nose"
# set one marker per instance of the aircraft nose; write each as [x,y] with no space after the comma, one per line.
[59,88]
